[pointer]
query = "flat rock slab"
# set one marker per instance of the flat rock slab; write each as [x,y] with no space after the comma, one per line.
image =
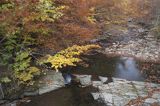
[120,92]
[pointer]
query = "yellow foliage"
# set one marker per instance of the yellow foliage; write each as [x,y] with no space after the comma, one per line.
[46,11]
[91,17]
[69,56]
[27,75]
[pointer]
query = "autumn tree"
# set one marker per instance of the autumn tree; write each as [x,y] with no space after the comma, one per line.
[22,23]
[30,25]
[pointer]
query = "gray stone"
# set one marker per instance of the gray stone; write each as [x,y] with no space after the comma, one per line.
[120,92]
[31,93]
[141,30]
[96,96]
[108,98]
[120,80]
[105,88]
[96,83]
[85,80]
[142,93]
[48,88]
[119,100]
[156,95]
[52,81]
[150,101]
[103,79]
[131,95]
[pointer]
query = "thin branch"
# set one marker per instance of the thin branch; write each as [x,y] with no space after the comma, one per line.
[2,39]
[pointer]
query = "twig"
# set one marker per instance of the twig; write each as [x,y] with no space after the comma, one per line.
[2,39]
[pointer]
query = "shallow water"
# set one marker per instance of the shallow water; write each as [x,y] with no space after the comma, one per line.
[121,67]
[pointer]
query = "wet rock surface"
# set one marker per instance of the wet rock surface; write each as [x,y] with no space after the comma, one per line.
[121,92]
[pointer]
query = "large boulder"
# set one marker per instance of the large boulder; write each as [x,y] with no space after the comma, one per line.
[52,81]
[49,82]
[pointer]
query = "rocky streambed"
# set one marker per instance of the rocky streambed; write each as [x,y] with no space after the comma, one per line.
[131,40]
[107,81]
[119,92]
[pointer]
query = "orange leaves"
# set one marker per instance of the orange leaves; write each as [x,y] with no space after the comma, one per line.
[78,22]
[72,29]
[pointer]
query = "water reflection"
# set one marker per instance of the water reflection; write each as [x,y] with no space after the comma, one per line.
[67,78]
[126,68]
[102,65]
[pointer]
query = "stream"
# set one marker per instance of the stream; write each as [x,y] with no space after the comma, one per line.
[99,65]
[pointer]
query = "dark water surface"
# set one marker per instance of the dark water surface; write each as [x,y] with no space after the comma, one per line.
[121,67]
[68,96]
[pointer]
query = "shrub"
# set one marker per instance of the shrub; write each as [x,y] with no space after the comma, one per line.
[69,56]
